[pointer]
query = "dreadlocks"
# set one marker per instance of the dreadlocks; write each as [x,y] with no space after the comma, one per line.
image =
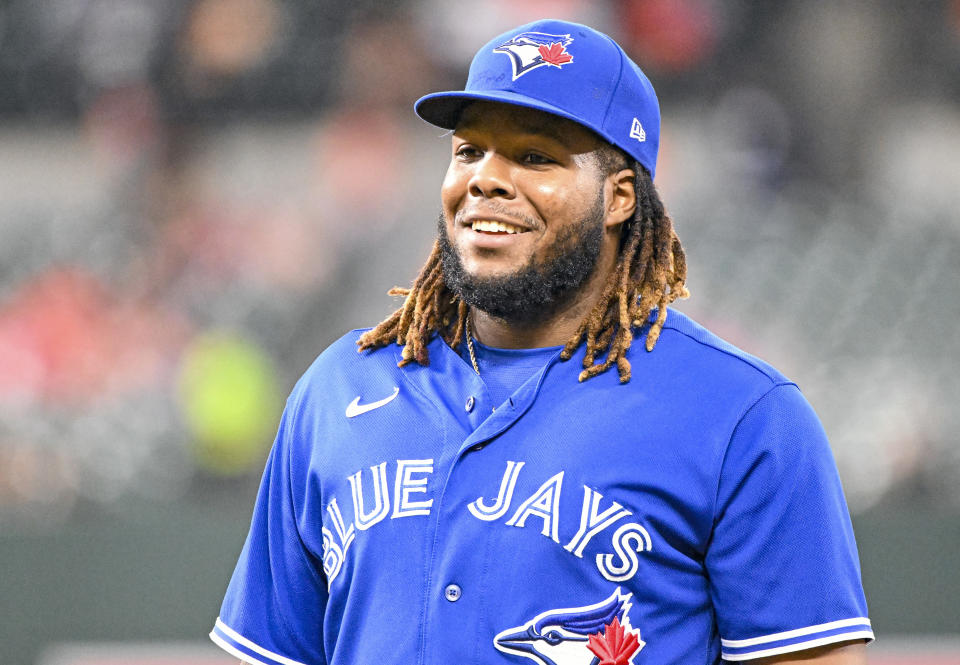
[650,273]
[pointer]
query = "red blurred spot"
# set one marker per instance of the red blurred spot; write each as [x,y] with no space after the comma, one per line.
[122,123]
[672,35]
[65,339]
[360,164]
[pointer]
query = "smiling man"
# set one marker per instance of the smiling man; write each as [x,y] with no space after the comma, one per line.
[535,458]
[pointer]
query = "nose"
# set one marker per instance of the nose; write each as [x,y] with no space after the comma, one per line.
[491,178]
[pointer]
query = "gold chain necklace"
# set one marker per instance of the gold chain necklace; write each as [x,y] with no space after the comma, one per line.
[473,356]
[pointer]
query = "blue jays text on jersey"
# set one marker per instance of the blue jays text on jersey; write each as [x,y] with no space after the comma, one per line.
[542,507]
[690,514]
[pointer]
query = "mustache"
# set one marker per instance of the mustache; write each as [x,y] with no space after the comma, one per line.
[494,208]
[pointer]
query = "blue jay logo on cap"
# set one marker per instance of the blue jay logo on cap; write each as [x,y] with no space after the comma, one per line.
[530,50]
[599,633]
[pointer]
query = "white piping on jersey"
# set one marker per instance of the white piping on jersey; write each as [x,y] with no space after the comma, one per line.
[799,646]
[237,637]
[809,630]
[234,651]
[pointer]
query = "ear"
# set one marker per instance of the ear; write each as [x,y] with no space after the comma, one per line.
[620,198]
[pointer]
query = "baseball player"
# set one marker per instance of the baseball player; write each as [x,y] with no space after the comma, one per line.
[535,458]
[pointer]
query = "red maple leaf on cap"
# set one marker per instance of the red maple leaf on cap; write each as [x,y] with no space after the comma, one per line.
[555,54]
[612,648]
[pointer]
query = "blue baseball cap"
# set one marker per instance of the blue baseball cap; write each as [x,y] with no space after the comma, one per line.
[569,70]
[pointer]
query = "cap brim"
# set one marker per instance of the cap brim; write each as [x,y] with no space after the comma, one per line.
[443,109]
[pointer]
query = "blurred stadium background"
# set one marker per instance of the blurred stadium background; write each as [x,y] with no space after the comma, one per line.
[197,196]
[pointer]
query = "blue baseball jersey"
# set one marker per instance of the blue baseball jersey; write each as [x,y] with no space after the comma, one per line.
[692,514]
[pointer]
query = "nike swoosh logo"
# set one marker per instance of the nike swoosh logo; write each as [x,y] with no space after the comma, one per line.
[355,408]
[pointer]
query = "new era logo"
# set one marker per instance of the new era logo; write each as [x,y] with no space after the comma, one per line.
[636,131]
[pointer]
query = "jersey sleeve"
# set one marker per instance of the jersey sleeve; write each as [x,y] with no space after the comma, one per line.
[273,610]
[782,562]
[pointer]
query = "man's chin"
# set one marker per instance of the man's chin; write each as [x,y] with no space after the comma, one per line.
[490,275]
[512,297]
[482,264]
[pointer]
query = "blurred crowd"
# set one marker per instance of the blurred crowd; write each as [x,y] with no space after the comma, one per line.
[197,196]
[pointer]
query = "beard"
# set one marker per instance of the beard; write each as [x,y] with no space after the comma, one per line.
[537,289]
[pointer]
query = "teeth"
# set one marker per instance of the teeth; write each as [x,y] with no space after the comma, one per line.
[495,227]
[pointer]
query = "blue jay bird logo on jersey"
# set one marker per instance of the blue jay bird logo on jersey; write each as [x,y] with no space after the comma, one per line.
[530,50]
[598,634]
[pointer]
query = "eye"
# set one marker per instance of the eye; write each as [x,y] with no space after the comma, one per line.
[536,159]
[467,152]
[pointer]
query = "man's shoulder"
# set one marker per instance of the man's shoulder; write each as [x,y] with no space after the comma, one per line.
[714,349]
[343,363]
[696,374]
[341,350]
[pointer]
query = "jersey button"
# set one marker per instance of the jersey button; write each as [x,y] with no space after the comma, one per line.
[452,593]
[469,405]
[477,448]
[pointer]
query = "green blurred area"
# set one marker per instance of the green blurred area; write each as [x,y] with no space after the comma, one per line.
[161,576]
[230,400]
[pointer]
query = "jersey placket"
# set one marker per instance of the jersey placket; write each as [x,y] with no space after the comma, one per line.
[456,593]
